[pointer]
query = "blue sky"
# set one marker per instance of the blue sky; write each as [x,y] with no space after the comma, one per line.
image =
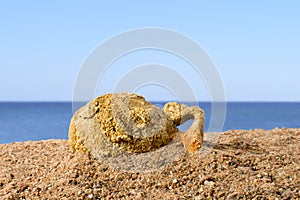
[255,44]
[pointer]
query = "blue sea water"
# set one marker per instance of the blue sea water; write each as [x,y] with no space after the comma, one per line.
[23,121]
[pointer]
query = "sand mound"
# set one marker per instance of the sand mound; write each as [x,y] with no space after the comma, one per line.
[242,165]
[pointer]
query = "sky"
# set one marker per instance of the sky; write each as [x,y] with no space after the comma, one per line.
[255,46]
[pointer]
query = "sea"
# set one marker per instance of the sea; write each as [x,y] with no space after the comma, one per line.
[23,121]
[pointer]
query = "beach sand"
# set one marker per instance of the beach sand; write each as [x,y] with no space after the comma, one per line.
[254,164]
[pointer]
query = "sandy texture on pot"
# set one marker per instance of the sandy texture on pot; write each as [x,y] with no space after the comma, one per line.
[121,123]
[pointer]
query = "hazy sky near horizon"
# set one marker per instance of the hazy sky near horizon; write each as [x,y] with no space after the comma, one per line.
[255,45]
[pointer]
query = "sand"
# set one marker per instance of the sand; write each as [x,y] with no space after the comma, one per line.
[254,164]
